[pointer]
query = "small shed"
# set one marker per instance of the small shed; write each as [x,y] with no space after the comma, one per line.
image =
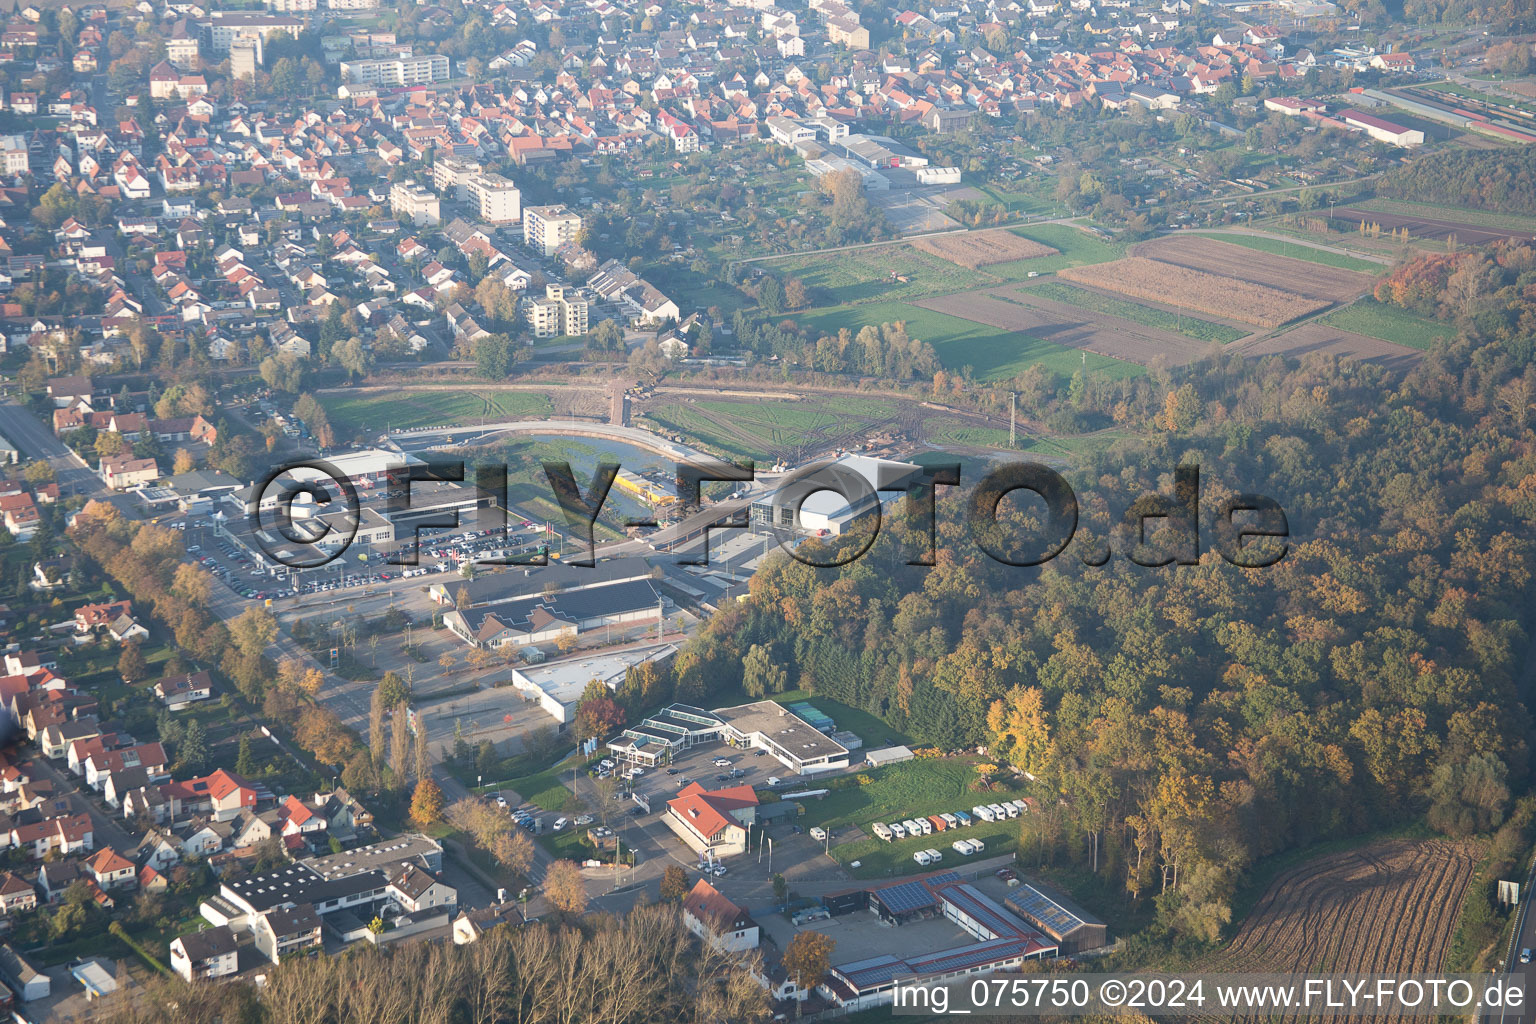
[888,755]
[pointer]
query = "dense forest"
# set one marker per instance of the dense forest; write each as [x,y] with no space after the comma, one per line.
[644,968]
[1196,718]
[1502,180]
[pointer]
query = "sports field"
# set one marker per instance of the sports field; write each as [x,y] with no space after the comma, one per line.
[367,414]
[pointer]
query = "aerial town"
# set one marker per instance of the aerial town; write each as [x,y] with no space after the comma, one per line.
[532,510]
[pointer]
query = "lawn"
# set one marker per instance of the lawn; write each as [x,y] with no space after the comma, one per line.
[1074,248]
[376,413]
[879,859]
[1389,323]
[941,431]
[1296,251]
[759,429]
[924,785]
[1189,326]
[864,275]
[546,790]
[992,353]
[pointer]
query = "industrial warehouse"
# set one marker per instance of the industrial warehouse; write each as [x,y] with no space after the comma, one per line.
[544,604]
[1003,939]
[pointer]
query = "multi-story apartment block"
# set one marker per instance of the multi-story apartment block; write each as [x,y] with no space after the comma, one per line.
[423,70]
[558,312]
[547,228]
[451,177]
[416,203]
[498,200]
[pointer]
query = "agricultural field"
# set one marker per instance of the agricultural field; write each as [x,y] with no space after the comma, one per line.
[1389,323]
[1097,302]
[1297,251]
[982,248]
[1438,229]
[1298,277]
[1071,327]
[1478,218]
[367,414]
[992,351]
[1197,290]
[1317,336]
[1387,908]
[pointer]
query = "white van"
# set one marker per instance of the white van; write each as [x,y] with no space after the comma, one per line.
[558,825]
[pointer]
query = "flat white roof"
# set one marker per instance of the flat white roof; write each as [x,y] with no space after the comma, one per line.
[564,680]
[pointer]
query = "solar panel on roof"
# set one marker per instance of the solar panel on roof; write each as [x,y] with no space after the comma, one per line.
[1044,909]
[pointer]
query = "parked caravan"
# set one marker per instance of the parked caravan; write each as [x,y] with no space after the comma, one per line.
[938,823]
[965,819]
[984,812]
[962,847]
[898,830]
[1022,806]
[934,856]
[950,821]
[977,845]
[881,830]
[922,858]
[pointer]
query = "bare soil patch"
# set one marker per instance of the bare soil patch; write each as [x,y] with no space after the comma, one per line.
[1300,277]
[1198,290]
[981,248]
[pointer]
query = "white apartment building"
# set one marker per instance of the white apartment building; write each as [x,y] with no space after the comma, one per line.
[498,200]
[423,70]
[451,177]
[547,228]
[13,154]
[415,203]
[224,27]
[557,313]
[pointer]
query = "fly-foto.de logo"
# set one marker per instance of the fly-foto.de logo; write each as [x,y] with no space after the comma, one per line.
[307,514]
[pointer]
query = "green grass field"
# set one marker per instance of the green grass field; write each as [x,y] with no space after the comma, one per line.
[761,428]
[1296,251]
[374,413]
[991,352]
[864,275]
[1074,248]
[1189,326]
[1376,320]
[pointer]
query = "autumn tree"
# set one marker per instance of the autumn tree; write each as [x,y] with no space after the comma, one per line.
[674,884]
[565,888]
[807,959]
[427,803]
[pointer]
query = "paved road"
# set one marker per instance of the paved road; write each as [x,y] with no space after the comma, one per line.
[36,441]
[107,831]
